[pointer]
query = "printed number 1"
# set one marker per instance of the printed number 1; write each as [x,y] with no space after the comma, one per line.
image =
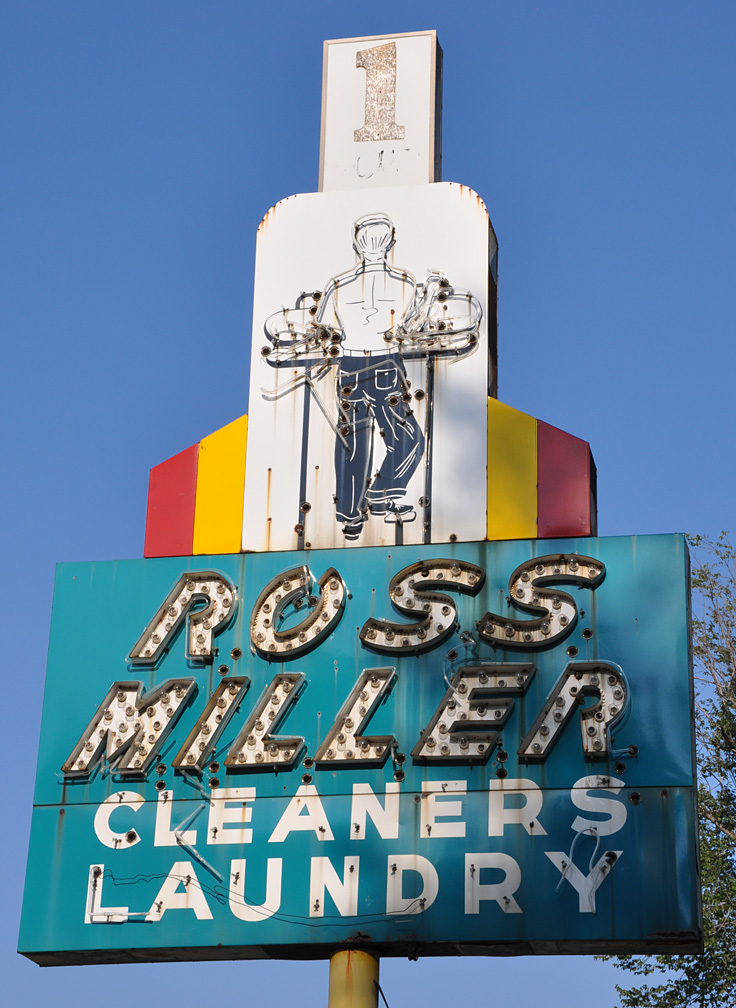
[380,94]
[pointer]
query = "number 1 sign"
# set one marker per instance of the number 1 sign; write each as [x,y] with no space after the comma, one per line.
[375,96]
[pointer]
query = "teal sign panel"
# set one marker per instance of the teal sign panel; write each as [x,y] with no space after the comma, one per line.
[480,748]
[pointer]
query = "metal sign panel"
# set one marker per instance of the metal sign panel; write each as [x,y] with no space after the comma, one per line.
[245,756]
[369,370]
[381,111]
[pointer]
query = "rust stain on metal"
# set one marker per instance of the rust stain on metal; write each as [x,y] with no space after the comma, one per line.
[59,833]
[268,508]
[466,190]
[272,210]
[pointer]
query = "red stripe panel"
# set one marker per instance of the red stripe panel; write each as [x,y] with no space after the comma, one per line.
[170,519]
[565,495]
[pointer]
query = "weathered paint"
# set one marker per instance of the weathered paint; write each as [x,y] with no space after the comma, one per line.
[512,473]
[218,515]
[541,483]
[647,899]
[353,980]
[171,499]
[566,484]
[409,91]
[296,401]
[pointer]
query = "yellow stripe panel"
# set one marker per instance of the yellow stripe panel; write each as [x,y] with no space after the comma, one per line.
[512,473]
[218,510]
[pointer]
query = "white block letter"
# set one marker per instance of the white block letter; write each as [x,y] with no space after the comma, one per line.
[95,912]
[244,909]
[500,892]
[222,813]
[118,799]
[584,885]
[164,835]
[344,891]
[180,891]
[306,800]
[384,817]
[524,815]
[612,807]
[433,806]
[396,902]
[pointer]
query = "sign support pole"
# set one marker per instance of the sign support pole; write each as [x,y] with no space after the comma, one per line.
[353,980]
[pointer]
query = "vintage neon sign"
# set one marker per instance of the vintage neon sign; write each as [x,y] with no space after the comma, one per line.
[464,728]
[231,821]
[466,769]
[131,728]
[460,777]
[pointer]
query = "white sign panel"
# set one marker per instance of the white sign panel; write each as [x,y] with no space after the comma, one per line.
[381,108]
[369,370]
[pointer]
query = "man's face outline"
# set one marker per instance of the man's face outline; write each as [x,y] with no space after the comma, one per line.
[373,237]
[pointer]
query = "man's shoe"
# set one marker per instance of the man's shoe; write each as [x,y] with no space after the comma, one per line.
[399,514]
[352,529]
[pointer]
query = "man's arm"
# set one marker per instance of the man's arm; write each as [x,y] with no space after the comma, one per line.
[299,334]
[442,318]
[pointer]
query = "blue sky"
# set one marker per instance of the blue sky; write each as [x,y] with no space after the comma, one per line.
[142,143]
